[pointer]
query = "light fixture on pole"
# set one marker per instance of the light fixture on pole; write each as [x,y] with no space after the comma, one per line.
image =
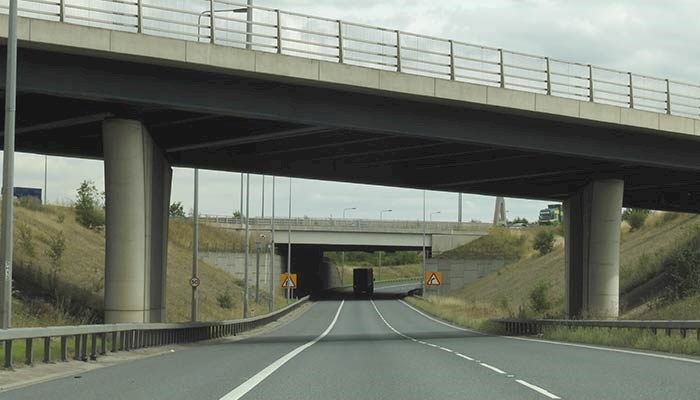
[433,213]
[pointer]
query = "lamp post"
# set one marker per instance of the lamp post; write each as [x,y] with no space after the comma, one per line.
[379,268]
[195,247]
[249,18]
[433,213]
[289,240]
[247,246]
[8,168]
[271,303]
[424,255]
[342,253]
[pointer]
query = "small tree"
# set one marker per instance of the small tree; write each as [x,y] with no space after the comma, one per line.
[176,210]
[88,206]
[236,214]
[57,245]
[635,217]
[544,241]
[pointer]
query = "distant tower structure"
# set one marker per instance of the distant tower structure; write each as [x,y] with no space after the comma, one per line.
[499,214]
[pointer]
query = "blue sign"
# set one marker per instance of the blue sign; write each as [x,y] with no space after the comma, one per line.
[20,192]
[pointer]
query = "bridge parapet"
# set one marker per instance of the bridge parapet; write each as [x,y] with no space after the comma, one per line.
[389,50]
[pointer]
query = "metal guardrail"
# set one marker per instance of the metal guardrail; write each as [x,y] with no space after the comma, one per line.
[125,337]
[286,32]
[535,326]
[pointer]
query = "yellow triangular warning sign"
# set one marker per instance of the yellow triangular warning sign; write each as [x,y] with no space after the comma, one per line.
[433,280]
[288,283]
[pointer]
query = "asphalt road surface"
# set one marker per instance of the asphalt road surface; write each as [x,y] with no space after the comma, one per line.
[346,348]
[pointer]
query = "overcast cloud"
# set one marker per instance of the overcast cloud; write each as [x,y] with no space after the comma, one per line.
[659,38]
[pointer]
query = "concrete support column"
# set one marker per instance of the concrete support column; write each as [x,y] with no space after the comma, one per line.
[137,182]
[592,232]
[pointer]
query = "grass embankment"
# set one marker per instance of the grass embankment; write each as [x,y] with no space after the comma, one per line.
[386,273]
[667,246]
[478,316]
[81,269]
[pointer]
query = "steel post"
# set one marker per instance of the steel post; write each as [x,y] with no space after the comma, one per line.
[247,247]
[195,246]
[271,302]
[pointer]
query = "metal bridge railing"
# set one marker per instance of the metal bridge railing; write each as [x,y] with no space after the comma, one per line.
[535,326]
[125,337]
[224,22]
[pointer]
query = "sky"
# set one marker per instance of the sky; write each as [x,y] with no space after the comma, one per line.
[657,38]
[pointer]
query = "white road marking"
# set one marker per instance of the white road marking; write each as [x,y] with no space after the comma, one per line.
[491,367]
[446,349]
[248,385]
[463,356]
[583,346]
[538,389]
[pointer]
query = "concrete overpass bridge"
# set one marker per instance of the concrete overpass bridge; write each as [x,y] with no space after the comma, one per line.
[359,234]
[146,87]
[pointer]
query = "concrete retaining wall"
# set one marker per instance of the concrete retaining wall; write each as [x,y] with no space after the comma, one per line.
[457,273]
[234,264]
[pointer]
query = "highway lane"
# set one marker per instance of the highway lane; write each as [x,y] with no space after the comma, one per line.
[381,349]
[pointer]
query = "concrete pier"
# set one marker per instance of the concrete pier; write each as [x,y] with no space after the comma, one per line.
[137,182]
[592,231]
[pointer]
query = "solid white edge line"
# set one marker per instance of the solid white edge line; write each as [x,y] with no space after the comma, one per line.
[538,389]
[253,381]
[554,342]
[491,367]
[459,328]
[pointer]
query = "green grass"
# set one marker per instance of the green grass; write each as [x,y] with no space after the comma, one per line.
[500,243]
[477,316]
[639,261]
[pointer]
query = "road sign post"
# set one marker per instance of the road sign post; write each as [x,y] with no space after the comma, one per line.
[288,281]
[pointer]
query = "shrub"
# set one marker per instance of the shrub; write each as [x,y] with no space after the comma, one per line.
[225,300]
[539,298]
[25,240]
[57,245]
[544,241]
[88,206]
[683,268]
[635,217]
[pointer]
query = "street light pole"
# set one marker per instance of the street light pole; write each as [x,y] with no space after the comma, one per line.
[240,209]
[379,268]
[424,255]
[46,174]
[247,246]
[249,26]
[342,253]
[271,303]
[262,212]
[459,208]
[289,240]
[433,213]
[8,169]
[195,246]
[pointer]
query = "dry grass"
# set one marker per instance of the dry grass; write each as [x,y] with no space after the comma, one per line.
[472,315]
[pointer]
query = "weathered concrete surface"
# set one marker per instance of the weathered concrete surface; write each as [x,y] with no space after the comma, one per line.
[234,265]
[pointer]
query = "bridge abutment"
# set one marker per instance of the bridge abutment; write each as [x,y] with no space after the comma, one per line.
[592,232]
[137,184]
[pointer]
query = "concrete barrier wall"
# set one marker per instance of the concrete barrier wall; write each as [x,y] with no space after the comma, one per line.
[457,273]
[234,264]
